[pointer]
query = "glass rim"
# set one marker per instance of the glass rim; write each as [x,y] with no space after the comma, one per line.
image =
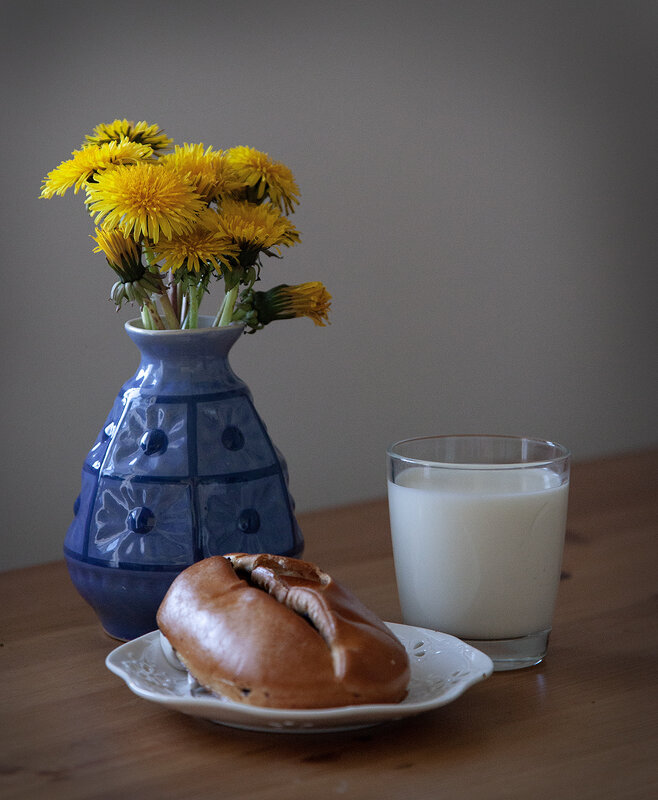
[561,452]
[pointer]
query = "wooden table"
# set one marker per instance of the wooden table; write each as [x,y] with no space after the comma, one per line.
[581,725]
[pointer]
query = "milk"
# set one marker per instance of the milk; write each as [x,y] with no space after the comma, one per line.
[478,551]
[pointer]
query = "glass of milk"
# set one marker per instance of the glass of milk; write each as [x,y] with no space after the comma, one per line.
[478,524]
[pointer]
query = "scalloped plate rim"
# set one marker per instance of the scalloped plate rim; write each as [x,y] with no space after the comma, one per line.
[124,661]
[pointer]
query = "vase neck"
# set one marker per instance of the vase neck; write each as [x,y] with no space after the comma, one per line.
[185,361]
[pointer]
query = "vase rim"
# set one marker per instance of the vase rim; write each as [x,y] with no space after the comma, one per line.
[137,325]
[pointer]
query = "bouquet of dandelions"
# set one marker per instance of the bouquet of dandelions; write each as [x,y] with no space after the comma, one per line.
[171,223]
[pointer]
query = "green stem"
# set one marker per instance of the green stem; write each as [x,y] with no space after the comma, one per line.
[218,315]
[228,305]
[169,311]
[193,316]
[150,255]
[183,309]
[155,317]
[173,294]
[146,318]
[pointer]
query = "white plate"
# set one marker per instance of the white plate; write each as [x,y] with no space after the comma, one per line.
[442,668]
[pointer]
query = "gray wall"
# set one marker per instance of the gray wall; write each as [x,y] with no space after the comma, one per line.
[478,192]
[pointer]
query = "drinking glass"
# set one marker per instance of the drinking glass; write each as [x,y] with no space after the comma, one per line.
[477,525]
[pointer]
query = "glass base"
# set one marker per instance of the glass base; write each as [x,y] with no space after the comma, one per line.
[517,653]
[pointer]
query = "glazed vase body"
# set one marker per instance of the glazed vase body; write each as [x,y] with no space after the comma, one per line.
[182,469]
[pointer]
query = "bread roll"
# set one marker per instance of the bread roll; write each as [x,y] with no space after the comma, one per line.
[278,632]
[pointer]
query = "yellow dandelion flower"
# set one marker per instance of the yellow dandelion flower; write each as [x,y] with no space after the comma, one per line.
[91,160]
[141,132]
[122,253]
[312,300]
[144,200]
[264,177]
[206,169]
[136,284]
[304,300]
[228,183]
[195,248]
[255,228]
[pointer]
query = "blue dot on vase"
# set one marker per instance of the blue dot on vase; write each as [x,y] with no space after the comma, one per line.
[154,442]
[249,520]
[141,520]
[232,438]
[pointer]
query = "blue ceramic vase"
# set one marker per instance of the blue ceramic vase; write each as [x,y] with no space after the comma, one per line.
[183,469]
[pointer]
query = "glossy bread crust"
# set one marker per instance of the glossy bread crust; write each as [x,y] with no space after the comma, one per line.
[278,632]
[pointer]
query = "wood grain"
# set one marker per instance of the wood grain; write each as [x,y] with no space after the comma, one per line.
[584,724]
